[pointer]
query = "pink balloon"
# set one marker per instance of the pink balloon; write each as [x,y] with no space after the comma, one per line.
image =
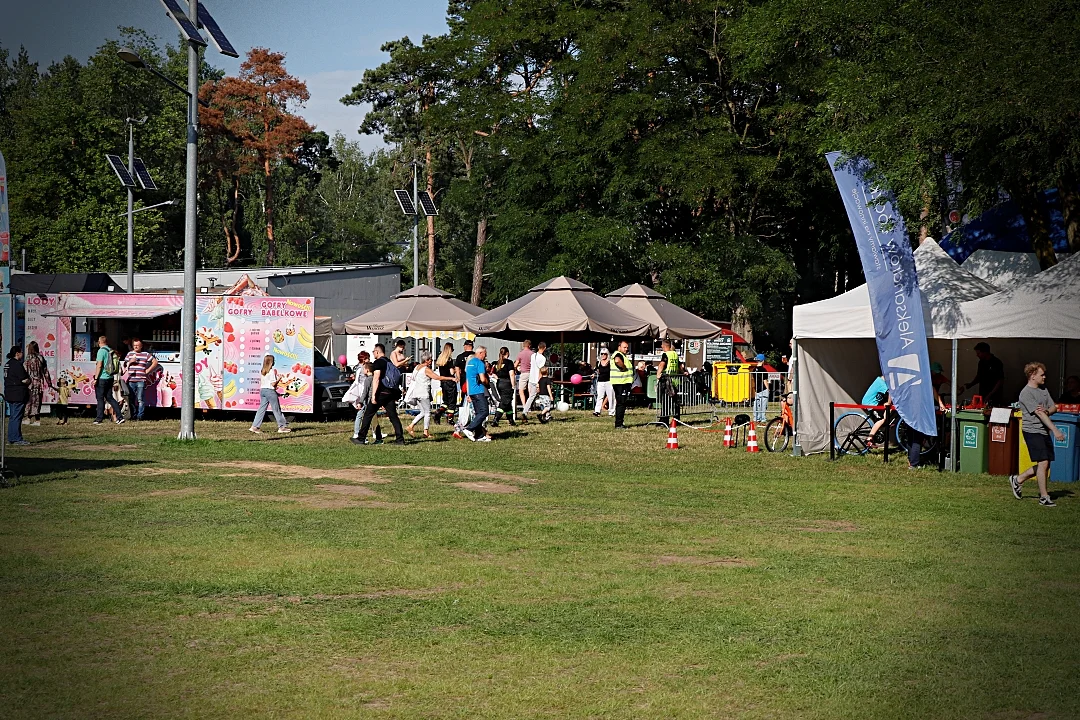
[342,360]
[575,379]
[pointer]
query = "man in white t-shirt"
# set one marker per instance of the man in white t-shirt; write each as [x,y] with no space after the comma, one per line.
[539,360]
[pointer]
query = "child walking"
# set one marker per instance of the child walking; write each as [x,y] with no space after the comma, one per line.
[362,390]
[544,398]
[63,387]
[1036,407]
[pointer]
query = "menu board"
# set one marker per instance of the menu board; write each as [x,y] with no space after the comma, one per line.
[257,327]
[721,350]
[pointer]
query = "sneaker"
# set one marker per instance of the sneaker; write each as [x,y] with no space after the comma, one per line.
[468,433]
[357,441]
[20,442]
[596,414]
[284,429]
[255,430]
[120,421]
[399,441]
[97,422]
[486,438]
[1014,483]
[36,423]
[1046,501]
[458,435]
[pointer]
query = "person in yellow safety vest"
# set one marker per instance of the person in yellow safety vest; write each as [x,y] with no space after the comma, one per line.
[666,394]
[622,378]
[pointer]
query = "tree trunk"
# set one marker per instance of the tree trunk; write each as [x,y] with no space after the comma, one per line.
[232,238]
[740,323]
[268,207]
[1038,226]
[430,226]
[1069,194]
[478,261]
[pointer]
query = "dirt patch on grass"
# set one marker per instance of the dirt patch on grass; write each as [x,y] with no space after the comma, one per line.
[488,487]
[457,471]
[351,490]
[356,475]
[102,448]
[166,493]
[829,526]
[155,471]
[319,502]
[704,561]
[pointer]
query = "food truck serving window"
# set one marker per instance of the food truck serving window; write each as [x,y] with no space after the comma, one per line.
[119,313]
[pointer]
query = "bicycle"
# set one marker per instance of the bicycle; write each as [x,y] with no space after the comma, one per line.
[851,433]
[779,431]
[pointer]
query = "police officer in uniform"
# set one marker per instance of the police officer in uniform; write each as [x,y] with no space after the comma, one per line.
[622,378]
[666,394]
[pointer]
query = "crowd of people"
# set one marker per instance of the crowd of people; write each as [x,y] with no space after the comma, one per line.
[477,392]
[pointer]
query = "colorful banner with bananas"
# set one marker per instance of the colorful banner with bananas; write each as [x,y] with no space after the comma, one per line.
[253,328]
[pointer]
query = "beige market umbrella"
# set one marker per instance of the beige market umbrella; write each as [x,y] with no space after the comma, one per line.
[672,320]
[420,309]
[561,306]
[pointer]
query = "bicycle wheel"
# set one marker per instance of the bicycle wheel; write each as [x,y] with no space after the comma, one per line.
[851,433]
[903,439]
[776,436]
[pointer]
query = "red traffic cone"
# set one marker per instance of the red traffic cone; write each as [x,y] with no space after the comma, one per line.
[728,441]
[751,440]
[672,437]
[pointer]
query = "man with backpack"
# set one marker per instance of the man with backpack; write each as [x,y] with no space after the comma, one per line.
[385,391]
[108,367]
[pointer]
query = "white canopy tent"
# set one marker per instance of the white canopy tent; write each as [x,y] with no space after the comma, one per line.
[837,355]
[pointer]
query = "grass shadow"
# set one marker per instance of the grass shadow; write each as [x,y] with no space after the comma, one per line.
[39,468]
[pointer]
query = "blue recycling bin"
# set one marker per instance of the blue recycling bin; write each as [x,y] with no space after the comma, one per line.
[1066,465]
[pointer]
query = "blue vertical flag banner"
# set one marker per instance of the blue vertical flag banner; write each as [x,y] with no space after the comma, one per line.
[895,299]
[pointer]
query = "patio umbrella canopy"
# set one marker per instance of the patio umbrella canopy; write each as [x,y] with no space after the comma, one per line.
[672,320]
[422,308]
[561,306]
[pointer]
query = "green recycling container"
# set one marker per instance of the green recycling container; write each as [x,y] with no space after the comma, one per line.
[974,454]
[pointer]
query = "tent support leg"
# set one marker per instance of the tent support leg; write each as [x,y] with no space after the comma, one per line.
[950,461]
[796,448]
[1061,370]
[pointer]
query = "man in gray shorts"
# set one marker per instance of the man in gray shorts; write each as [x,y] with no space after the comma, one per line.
[1036,407]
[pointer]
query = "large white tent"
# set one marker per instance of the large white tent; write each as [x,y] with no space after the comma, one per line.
[837,355]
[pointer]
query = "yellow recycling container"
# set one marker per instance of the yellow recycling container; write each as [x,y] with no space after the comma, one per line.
[732,382]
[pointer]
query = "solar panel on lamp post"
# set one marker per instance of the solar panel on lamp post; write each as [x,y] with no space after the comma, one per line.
[186,24]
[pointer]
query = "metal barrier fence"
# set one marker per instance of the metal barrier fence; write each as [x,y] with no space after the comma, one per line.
[689,395]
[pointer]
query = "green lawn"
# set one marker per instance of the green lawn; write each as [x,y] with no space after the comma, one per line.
[607,577]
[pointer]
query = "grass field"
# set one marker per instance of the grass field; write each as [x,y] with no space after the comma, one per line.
[562,571]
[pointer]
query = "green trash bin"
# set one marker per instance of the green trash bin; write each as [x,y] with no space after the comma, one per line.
[974,454]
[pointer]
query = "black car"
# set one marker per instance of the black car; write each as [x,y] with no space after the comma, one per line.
[330,386]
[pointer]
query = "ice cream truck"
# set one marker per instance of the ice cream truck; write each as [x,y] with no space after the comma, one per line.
[233,334]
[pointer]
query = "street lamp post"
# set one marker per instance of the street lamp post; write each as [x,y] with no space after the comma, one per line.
[415,230]
[187,348]
[131,122]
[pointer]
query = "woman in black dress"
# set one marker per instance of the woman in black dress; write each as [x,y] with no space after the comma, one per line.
[444,365]
[503,368]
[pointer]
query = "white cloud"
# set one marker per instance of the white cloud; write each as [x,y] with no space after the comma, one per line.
[326,112]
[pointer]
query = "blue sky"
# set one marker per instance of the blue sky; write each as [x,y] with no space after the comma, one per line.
[328,44]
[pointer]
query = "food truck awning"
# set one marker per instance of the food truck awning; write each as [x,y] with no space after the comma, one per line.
[102,305]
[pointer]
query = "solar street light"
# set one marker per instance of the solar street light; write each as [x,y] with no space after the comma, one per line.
[409,205]
[186,23]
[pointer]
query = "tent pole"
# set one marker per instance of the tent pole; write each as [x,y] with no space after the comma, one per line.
[1061,370]
[796,448]
[950,464]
